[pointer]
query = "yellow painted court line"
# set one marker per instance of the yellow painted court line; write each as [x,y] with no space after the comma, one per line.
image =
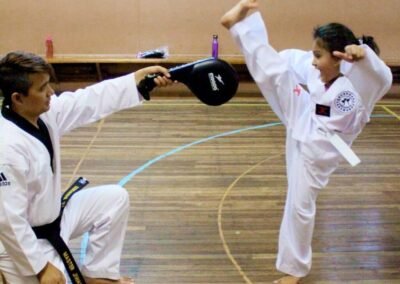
[220,208]
[390,111]
[99,127]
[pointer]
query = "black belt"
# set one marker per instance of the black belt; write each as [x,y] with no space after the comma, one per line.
[51,232]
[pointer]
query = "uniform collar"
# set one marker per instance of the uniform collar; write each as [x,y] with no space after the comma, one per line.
[41,133]
[327,85]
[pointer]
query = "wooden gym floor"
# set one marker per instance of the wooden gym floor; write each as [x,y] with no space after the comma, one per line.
[207,188]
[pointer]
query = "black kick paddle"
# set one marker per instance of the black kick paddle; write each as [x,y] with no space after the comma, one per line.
[213,81]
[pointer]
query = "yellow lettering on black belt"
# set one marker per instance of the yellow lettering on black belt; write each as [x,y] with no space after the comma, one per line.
[68,260]
[77,279]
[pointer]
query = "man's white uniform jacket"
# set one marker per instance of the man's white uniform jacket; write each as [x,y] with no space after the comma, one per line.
[312,116]
[30,190]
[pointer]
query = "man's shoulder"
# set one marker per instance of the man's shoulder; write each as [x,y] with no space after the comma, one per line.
[11,136]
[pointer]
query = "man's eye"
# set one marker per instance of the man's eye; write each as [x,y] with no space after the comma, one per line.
[42,88]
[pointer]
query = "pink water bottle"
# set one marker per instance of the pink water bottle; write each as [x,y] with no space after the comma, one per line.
[214,51]
[49,47]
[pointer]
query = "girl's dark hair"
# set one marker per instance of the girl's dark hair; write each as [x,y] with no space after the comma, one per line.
[335,37]
[15,68]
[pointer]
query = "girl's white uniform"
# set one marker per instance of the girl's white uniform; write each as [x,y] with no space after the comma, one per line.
[30,190]
[311,118]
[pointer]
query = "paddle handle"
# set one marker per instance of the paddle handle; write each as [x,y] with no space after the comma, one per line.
[146,85]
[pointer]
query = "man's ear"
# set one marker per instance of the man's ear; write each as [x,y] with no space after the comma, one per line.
[16,98]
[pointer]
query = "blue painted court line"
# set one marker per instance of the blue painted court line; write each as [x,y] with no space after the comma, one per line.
[127,178]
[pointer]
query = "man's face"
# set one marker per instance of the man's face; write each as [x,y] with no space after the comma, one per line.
[39,94]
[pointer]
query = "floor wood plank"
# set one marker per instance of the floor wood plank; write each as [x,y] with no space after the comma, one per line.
[210,212]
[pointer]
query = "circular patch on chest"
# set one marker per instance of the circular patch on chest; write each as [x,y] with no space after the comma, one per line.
[345,101]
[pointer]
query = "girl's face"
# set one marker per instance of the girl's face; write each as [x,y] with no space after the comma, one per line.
[325,62]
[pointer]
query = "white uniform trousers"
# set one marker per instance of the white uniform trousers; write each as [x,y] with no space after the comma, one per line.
[295,236]
[102,212]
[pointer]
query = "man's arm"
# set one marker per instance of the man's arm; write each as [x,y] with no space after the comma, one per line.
[84,106]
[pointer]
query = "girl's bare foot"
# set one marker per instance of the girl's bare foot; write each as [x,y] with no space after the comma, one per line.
[238,12]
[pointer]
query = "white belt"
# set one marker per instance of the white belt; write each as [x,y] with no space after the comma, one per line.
[343,148]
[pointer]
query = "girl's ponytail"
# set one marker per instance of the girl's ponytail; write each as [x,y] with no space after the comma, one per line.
[369,40]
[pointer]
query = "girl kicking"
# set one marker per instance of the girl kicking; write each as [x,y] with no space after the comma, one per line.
[324,98]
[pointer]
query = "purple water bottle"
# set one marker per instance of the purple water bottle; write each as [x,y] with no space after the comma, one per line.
[215,46]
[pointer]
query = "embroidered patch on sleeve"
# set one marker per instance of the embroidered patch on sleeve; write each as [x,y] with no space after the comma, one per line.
[345,101]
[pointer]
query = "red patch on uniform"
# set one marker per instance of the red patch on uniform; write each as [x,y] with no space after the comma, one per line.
[323,110]
[297,90]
